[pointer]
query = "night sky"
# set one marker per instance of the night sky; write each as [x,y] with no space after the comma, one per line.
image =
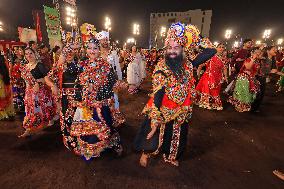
[248,18]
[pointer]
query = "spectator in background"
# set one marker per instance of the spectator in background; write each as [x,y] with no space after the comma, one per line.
[269,62]
[237,63]
[18,84]
[133,70]
[241,55]
[45,56]
[267,66]
[280,66]
[280,59]
[33,45]
[152,61]
[56,53]
[6,97]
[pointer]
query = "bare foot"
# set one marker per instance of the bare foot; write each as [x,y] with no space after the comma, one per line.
[279,174]
[175,163]
[25,134]
[144,160]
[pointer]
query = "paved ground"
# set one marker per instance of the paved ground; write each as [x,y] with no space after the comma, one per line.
[225,150]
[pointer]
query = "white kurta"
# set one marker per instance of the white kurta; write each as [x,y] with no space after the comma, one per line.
[133,71]
[113,60]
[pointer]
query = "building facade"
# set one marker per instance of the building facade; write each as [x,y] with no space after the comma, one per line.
[198,17]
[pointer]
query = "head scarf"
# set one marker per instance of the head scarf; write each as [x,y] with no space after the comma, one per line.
[102,35]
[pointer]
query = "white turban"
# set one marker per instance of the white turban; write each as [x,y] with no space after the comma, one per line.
[102,35]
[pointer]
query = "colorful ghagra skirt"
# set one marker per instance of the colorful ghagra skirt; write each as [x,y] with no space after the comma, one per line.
[39,108]
[6,105]
[244,94]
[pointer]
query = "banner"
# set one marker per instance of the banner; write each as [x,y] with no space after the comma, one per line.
[71,2]
[52,20]
[26,35]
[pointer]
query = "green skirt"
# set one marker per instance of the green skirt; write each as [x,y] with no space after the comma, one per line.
[242,91]
[242,97]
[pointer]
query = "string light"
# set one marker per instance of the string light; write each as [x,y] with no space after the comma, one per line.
[163,31]
[136,29]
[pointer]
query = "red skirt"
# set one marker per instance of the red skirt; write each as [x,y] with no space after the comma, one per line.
[39,108]
[205,86]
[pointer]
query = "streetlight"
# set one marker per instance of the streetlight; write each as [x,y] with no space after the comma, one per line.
[130,40]
[216,43]
[266,34]
[236,44]
[228,34]
[258,42]
[163,31]
[136,29]
[107,24]
[1,27]
[279,41]
[71,16]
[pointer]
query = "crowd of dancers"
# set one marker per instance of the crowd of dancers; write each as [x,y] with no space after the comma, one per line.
[79,86]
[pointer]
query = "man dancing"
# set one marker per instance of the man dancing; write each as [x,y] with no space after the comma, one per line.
[170,106]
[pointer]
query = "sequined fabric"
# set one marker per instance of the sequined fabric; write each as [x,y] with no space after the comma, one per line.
[91,117]
[176,105]
[39,106]
[209,86]
[246,88]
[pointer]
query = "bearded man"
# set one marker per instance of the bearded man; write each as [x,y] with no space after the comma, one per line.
[169,109]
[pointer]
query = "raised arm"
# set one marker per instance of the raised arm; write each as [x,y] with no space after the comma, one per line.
[205,55]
